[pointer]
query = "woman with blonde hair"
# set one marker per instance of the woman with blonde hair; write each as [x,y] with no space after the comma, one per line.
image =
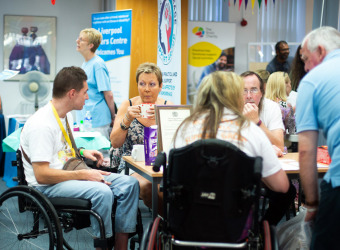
[278,86]
[218,114]
[128,129]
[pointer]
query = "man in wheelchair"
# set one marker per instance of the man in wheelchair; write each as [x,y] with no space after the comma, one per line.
[46,147]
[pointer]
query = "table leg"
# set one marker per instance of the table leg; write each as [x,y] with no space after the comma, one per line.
[154,199]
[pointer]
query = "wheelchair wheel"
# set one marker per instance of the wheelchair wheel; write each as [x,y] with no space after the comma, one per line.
[151,239]
[25,223]
[267,245]
[78,238]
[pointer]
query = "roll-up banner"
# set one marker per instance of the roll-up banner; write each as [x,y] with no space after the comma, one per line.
[115,49]
[206,42]
[169,48]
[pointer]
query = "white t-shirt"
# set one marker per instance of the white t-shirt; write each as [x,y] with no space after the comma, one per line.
[43,141]
[254,142]
[292,98]
[271,115]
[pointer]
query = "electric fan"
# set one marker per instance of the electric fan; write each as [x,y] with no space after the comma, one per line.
[35,87]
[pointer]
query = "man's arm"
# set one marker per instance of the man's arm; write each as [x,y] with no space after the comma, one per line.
[108,95]
[275,136]
[308,169]
[46,175]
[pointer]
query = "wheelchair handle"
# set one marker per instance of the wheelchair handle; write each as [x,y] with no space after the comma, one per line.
[160,161]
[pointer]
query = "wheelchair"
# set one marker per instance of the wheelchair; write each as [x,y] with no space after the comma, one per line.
[211,195]
[30,220]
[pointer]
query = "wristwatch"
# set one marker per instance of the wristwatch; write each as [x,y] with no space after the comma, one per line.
[123,126]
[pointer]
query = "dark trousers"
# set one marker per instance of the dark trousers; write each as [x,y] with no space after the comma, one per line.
[327,224]
[279,203]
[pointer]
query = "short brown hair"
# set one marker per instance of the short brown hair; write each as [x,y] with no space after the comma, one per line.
[94,37]
[68,78]
[264,74]
[149,68]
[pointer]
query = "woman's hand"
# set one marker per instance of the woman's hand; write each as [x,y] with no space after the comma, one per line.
[133,112]
[151,113]
[278,151]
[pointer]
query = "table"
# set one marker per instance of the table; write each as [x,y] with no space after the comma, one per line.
[9,171]
[91,140]
[147,172]
[156,177]
[88,140]
[290,164]
[2,136]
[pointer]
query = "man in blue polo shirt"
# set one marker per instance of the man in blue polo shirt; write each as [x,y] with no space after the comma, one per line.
[317,108]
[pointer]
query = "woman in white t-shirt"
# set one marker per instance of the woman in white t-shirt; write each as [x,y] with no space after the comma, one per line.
[218,114]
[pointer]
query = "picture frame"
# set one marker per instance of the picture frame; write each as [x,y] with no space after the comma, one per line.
[30,44]
[168,119]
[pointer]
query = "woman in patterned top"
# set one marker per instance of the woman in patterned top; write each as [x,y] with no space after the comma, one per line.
[277,87]
[128,128]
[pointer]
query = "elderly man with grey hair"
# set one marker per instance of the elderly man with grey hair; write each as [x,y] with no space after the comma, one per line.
[317,108]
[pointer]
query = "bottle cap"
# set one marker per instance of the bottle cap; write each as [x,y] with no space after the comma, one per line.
[81,121]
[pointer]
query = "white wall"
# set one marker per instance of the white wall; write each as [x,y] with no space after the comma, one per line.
[72,16]
[244,35]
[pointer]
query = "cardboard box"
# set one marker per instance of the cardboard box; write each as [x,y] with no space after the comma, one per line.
[322,155]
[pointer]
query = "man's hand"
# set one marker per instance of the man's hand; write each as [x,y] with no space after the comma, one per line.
[251,111]
[95,175]
[94,155]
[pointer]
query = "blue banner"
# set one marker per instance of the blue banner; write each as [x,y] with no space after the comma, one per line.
[115,49]
[116,30]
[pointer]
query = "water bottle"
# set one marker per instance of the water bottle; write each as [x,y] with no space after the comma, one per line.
[81,126]
[75,127]
[88,121]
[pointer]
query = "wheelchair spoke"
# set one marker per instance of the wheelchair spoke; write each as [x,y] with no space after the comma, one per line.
[24,227]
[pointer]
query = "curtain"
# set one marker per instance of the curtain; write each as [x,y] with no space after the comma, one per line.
[208,10]
[282,20]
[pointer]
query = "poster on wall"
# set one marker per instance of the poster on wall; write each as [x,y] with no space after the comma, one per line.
[211,47]
[169,48]
[115,49]
[30,44]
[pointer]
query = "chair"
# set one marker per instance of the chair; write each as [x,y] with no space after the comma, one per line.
[30,220]
[211,199]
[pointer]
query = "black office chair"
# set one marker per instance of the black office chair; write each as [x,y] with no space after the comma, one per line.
[211,199]
[30,220]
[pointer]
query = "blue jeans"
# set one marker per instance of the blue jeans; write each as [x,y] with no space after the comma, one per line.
[124,188]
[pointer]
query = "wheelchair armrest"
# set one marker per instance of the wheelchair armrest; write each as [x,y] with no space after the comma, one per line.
[70,203]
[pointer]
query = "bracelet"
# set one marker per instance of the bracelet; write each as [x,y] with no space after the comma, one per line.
[259,123]
[127,118]
[123,126]
[312,209]
[81,152]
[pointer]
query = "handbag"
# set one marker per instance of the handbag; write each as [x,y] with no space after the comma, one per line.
[75,163]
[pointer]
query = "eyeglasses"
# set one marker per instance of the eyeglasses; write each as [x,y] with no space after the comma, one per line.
[81,39]
[284,50]
[251,91]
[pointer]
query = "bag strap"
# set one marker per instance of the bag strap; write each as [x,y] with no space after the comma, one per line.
[71,138]
[74,146]
[23,152]
[25,156]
